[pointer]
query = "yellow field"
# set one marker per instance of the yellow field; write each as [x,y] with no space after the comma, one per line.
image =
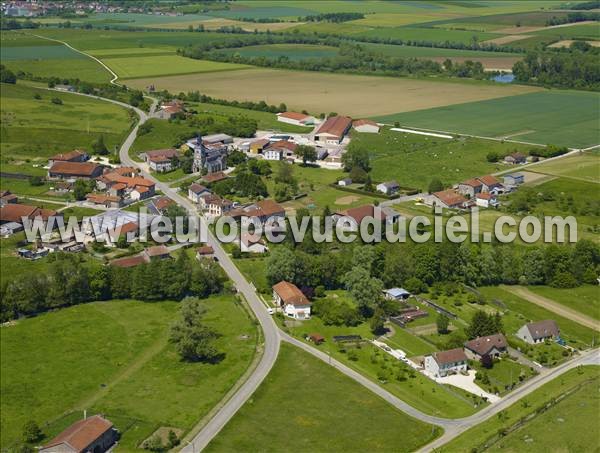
[354,95]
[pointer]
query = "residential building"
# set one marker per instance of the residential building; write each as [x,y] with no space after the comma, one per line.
[93,434]
[290,299]
[108,201]
[358,214]
[261,211]
[538,332]
[388,188]
[490,184]
[161,160]
[252,243]
[216,206]
[129,261]
[196,191]
[74,170]
[344,182]
[214,177]
[333,130]
[295,118]
[396,294]
[491,345]
[444,363]
[447,199]
[513,179]
[159,252]
[486,200]
[259,146]
[16,212]
[205,251]
[470,187]
[159,206]
[72,156]
[7,197]
[515,159]
[280,150]
[170,109]
[366,126]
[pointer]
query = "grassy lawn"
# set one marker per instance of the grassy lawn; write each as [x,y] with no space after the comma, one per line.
[333,414]
[114,358]
[503,375]
[413,159]
[566,118]
[254,269]
[411,344]
[479,434]
[34,129]
[518,312]
[582,166]
[585,299]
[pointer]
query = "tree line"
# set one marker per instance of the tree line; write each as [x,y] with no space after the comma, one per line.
[71,280]
[332,17]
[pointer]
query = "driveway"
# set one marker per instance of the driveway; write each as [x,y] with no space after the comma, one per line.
[466,383]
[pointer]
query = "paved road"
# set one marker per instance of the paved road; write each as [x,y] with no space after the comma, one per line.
[553,306]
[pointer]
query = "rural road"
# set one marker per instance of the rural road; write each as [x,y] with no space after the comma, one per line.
[553,306]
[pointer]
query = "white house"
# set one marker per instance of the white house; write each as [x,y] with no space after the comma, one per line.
[273,154]
[440,364]
[196,191]
[366,126]
[388,188]
[344,182]
[295,118]
[290,299]
[485,200]
[538,332]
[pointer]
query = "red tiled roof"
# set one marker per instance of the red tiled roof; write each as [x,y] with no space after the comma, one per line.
[451,356]
[99,198]
[483,345]
[364,122]
[162,153]
[489,180]
[485,196]
[473,182]
[74,168]
[163,203]
[450,197]
[197,188]
[294,116]
[205,250]
[214,177]
[129,261]
[284,144]
[82,433]
[71,155]
[290,294]
[263,209]
[360,212]
[14,212]
[335,125]
[157,250]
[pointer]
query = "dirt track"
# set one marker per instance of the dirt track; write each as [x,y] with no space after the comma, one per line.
[555,307]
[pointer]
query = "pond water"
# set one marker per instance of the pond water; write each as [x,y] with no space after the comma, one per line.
[504,78]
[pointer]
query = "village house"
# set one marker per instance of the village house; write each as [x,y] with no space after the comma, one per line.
[470,187]
[14,213]
[538,332]
[366,126]
[93,434]
[108,201]
[358,214]
[490,184]
[448,199]
[129,261]
[205,251]
[290,299]
[169,110]
[196,191]
[345,182]
[295,118]
[388,188]
[396,294]
[259,146]
[161,160]
[261,211]
[74,170]
[7,197]
[444,363]
[513,179]
[215,206]
[252,243]
[280,150]
[158,206]
[116,183]
[158,252]
[129,231]
[486,200]
[491,345]
[333,130]
[72,156]
[515,159]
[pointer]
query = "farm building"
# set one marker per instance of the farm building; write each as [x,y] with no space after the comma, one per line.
[94,434]
[388,188]
[489,184]
[470,187]
[170,109]
[157,252]
[358,214]
[344,182]
[72,156]
[14,213]
[396,294]
[491,345]
[515,159]
[366,126]
[538,332]
[259,146]
[216,139]
[485,200]
[215,177]
[513,179]
[446,199]
[295,118]
[290,299]
[440,364]
[74,170]
[101,199]
[333,130]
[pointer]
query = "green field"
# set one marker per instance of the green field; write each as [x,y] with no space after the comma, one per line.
[34,129]
[334,414]
[478,435]
[294,52]
[114,358]
[584,299]
[424,52]
[413,160]
[584,166]
[568,118]
[587,31]
[163,65]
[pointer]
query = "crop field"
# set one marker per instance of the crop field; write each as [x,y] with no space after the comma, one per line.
[574,31]
[334,404]
[585,299]
[584,166]
[34,129]
[291,51]
[57,52]
[412,160]
[163,65]
[566,118]
[123,346]
[346,94]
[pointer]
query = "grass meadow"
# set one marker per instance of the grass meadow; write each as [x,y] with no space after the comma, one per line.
[584,299]
[114,358]
[566,118]
[332,404]
[584,166]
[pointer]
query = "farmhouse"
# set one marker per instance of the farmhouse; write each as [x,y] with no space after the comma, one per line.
[280,150]
[440,364]
[366,126]
[514,179]
[388,188]
[295,118]
[161,160]
[94,434]
[333,130]
[491,345]
[71,156]
[261,211]
[538,332]
[74,170]
[447,199]
[196,191]
[515,159]
[485,200]
[470,187]
[489,184]
[170,109]
[290,299]
[16,212]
